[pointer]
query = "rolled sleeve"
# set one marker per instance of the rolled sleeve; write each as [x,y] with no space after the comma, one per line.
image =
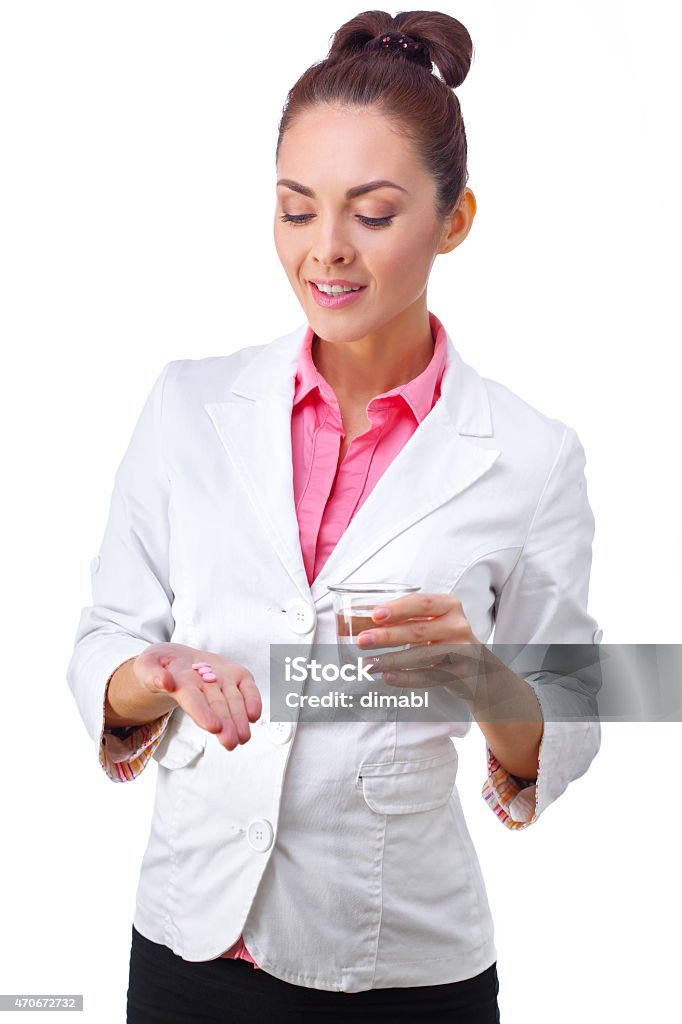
[544,633]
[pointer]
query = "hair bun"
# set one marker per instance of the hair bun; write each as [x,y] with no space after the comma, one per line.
[412,48]
[433,40]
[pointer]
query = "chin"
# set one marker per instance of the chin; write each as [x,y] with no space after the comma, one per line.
[338,337]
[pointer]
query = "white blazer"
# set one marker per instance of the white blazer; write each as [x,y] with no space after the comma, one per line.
[338,849]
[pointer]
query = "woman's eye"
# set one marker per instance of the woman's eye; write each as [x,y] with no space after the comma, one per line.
[372,222]
[290,218]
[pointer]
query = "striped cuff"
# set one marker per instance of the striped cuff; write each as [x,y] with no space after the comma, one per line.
[125,751]
[512,799]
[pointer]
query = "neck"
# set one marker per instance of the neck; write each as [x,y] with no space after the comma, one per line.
[381,360]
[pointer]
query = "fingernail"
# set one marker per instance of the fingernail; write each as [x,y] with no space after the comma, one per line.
[389,677]
[381,613]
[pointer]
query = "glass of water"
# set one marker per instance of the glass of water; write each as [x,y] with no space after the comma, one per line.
[353,607]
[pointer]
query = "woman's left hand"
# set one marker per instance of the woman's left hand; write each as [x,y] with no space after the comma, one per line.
[424,620]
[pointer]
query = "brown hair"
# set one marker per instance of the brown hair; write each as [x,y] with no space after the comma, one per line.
[359,71]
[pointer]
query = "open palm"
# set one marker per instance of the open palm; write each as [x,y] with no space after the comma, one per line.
[224,707]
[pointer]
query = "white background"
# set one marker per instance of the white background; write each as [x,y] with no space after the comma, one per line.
[136,203]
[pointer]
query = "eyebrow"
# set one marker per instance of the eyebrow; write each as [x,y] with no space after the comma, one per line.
[352,193]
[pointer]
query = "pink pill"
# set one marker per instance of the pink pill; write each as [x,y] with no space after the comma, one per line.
[209,677]
[201,664]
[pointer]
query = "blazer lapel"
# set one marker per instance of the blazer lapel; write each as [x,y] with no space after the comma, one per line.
[254,426]
[440,460]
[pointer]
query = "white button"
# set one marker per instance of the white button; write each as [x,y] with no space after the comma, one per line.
[260,834]
[597,635]
[300,616]
[281,732]
[95,564]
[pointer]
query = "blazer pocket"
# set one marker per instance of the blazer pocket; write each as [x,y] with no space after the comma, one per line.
[407,787]
[182,741]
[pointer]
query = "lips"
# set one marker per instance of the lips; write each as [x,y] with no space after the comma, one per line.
[338,300]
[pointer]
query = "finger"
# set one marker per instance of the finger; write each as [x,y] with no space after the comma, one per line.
[163,679]
[152,674]
[412,631]
[193,699]
[227,734]
[237,711]
[422,678]
[442,680]
[412,605]
[434,652]
[225,700]
[251,695]
[416,656]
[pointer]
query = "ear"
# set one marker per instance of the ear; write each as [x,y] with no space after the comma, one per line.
[458,223]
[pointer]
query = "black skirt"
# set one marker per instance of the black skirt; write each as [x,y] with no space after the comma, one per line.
[165,989]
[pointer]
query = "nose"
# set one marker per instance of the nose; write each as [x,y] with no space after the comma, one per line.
[330,243]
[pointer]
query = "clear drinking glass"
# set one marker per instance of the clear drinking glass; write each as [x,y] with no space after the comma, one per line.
[353,606]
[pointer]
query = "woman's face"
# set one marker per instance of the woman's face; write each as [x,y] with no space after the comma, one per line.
[385,239]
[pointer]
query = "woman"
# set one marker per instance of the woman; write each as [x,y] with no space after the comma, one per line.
[295,870]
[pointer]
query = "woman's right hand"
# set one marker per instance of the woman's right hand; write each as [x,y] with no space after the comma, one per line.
[224,707]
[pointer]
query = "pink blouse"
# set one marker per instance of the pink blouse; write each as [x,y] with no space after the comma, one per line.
[326,501]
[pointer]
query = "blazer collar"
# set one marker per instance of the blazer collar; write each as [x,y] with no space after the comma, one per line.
[272,373]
